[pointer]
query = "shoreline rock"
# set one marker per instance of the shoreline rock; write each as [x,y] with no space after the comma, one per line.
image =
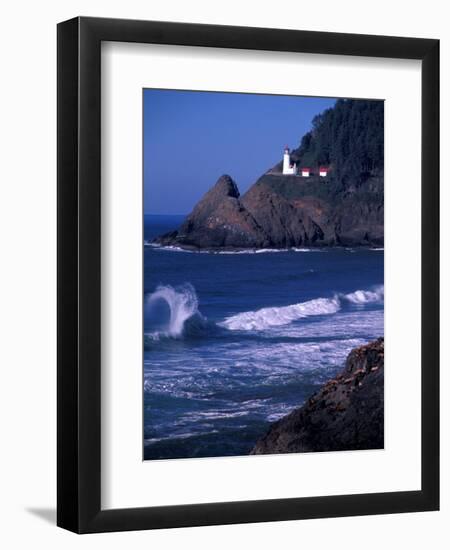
[347,413]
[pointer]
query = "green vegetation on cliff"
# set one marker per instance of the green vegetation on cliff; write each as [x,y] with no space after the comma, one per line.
[349,138]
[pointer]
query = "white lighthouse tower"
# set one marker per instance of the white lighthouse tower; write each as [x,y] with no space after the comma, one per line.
[288,167]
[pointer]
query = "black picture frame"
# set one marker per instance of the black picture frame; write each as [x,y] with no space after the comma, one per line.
[79,275]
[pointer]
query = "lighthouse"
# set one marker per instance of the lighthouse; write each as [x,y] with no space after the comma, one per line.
[288,167]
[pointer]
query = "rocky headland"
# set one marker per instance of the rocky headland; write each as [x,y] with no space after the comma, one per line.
[281,212]
[344,208]
[347,413]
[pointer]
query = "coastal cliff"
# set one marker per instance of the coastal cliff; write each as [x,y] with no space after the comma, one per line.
[344,208]
[347,413]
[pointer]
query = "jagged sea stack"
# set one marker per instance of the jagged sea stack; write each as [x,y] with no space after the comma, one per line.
[218,221]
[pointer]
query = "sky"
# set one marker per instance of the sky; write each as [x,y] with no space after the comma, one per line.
[192,138]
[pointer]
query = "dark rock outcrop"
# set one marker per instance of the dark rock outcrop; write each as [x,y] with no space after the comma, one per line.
[281,212]
[347,413]
[219,220]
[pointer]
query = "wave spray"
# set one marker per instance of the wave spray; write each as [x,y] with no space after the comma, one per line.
[183,305]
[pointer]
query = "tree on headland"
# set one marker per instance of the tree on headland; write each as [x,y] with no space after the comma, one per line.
[349,138]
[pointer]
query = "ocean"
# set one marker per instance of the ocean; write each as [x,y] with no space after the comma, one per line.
[235,340]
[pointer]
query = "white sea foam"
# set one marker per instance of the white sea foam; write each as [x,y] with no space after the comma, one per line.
[213,415]
[232,252]
[270,250]
[295,249]
[268,317]
[173,248]
[366,296]
[251,251]
[185,435]
[275,316]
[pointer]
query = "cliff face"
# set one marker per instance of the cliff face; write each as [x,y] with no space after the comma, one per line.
[304,211]
[347,413]
[283,211]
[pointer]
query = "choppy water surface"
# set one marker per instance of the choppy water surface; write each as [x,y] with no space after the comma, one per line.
[234,341]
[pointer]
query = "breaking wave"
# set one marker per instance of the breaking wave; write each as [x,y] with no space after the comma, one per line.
[182,303]
[185,319]
[366,296]
[276,316]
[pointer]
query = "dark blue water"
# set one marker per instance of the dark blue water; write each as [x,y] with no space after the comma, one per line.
[236,341]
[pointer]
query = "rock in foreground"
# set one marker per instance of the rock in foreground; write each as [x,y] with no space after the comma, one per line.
[347,413]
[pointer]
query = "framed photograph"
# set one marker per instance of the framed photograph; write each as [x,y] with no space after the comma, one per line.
[248,226]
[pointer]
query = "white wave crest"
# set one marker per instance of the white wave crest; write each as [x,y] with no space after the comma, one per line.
[270,250]
[366,296]
[297,249]
[250,251]
[232,252]
[183,304]
[275,316]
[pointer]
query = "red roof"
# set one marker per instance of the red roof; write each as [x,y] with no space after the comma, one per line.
[323,169]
